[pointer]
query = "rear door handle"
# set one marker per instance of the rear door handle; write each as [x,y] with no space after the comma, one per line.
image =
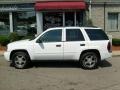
[58,45]
[82,44]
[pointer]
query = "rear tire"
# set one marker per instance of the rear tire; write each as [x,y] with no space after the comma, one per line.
[89,60]
[20,60]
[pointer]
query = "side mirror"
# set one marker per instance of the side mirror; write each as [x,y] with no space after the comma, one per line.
[39,41]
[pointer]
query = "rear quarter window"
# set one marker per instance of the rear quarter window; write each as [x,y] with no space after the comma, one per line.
[96,34]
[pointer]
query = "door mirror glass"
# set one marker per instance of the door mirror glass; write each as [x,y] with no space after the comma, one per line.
[39,41]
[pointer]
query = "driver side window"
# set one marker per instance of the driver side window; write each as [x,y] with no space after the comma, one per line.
[52,36]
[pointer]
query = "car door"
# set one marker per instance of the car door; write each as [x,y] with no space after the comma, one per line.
[49,46]
[73,44]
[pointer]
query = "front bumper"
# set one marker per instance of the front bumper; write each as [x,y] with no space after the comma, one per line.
[7,55]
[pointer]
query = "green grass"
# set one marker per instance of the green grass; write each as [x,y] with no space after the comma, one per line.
[116,42]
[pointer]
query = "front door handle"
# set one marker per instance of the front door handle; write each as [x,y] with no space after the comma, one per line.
[82,44]
[58,45]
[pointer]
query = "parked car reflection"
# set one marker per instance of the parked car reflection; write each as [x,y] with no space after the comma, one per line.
[21,30]
[4,30]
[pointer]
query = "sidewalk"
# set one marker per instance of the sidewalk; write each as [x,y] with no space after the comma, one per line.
[1,53]
[114,53]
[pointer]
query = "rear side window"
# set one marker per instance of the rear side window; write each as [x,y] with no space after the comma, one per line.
[74,35]
[96,34]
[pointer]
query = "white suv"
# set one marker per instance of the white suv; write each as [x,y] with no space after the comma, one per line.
[88,45]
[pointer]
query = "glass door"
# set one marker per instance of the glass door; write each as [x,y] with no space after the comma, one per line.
[4,23]
[69,19]
[52,19]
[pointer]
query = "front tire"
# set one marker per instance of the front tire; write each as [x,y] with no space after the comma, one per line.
[89,60]
[20,60]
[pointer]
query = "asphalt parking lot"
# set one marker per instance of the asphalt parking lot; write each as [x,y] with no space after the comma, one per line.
[60,76]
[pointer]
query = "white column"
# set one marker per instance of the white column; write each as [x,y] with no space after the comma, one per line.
[11,21]
[39,19]
[118,22]
[75,19]
[63,18]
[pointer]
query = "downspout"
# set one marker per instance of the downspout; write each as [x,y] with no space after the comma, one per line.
[104,15]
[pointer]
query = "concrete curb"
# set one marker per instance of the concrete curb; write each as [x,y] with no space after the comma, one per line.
[116,53]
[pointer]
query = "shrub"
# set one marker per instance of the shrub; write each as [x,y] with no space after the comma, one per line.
[116,42]
[14,37]
[4,40]
[28,37]
[89,23]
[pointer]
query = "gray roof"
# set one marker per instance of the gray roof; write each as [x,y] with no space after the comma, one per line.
[105,0]
[16,1]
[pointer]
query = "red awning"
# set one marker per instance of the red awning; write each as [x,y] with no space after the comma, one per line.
[60,5]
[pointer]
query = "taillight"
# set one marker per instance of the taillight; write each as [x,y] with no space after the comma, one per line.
[109,47]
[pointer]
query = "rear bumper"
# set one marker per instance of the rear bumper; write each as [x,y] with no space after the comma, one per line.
[7,56]
[106,56]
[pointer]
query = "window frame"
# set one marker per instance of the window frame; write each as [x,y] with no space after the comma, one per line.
[75,40]
[108,22]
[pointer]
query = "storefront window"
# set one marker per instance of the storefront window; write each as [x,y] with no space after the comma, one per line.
[4,23]
[69,18]
[55,19]
[25,23]
[52,19]
[79,18]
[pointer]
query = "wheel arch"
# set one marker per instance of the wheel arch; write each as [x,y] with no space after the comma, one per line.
[90,50]
[19,50]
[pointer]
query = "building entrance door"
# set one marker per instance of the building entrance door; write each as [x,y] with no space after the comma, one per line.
[69,19]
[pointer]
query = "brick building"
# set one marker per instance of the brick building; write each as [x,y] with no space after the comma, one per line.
[106,14]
